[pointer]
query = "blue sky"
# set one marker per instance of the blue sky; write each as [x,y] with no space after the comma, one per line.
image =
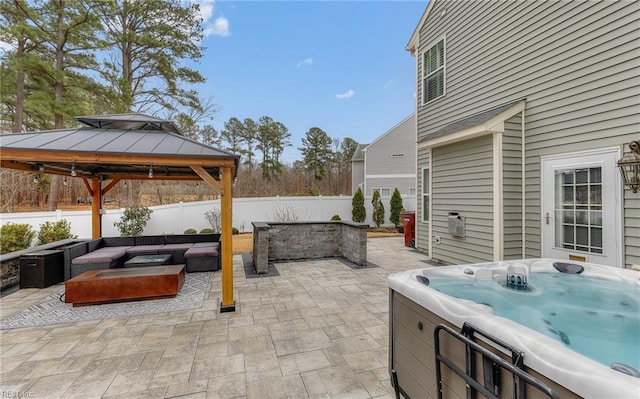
[340,65]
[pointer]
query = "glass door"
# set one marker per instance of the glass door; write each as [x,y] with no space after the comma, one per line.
[581,208]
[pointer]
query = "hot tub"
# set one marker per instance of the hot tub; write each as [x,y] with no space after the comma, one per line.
[592,307]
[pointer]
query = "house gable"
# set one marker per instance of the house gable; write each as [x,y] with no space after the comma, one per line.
[390,159]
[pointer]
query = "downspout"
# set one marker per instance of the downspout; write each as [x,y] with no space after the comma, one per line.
[430,228]
[498,202]
[524,186]
[417,169]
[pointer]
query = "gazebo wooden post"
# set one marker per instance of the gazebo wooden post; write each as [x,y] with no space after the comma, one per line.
[226,219]
[96,204]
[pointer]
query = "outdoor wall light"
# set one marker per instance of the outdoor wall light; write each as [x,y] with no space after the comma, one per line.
[629,166]
[73,169]
[150,171]
[40,168]
[64,181]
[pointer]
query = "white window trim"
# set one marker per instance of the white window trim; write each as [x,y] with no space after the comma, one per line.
[444,70]
[422,195]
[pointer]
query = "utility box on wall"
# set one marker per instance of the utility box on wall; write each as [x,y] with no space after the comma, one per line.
[456,224]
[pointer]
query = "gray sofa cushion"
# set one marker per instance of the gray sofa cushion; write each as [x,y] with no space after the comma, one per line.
[176,247]
[202,251]
[144,249]
[101,255]
[206,245]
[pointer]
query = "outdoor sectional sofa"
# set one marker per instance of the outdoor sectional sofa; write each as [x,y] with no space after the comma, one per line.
[199,252]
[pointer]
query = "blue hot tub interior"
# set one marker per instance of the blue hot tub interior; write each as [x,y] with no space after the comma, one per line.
[599,318]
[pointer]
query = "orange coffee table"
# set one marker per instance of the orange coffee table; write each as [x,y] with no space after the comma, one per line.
[118,285]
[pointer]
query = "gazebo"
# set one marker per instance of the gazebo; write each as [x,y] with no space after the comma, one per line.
[110,148]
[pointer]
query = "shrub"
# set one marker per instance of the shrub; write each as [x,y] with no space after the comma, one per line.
[54,231]
[335,217]
[207,230]
[15,237]
[287,214]
[133,221]
[235,230]
[378,209]
[213,217]
[395,207]
[190,231]
[358,211]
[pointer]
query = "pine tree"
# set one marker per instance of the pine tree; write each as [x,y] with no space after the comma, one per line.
[150,38]
[271,140]
[378,209]
[358,211]
[233,134]
[395,207]
[316,152]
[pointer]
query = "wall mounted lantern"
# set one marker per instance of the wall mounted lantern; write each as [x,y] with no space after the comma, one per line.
[629,166]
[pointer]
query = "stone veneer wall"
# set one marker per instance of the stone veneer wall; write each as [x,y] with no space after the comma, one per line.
[261,246]
[308,240]
[9,273]
[354,242]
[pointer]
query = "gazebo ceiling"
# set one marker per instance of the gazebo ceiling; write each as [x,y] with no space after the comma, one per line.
[115,147]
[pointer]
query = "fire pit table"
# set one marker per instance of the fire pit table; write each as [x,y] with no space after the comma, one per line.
[118,285]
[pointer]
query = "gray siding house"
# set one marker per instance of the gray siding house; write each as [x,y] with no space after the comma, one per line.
[357,169]
[388,162]
[523,109]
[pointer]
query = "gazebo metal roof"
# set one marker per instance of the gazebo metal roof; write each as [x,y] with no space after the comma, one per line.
[128,121]
[128,146]
[112,151]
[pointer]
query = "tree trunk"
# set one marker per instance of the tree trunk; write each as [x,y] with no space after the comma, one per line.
[20,96]
[54,189]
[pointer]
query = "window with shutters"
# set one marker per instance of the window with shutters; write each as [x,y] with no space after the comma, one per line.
[433,72]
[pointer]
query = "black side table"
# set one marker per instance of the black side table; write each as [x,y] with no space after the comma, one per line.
[42,269]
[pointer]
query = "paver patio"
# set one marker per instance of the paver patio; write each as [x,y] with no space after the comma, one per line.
[308,329]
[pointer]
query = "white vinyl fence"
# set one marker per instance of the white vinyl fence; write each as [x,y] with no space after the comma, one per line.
[176,218]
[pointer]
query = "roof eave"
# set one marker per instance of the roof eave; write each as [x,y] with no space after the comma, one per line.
[414,42]
[388,132]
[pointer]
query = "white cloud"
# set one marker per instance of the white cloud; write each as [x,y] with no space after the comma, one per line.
[206,10]
[390,83]
[212,27]
[220,27]
[347,94]
[306,61]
